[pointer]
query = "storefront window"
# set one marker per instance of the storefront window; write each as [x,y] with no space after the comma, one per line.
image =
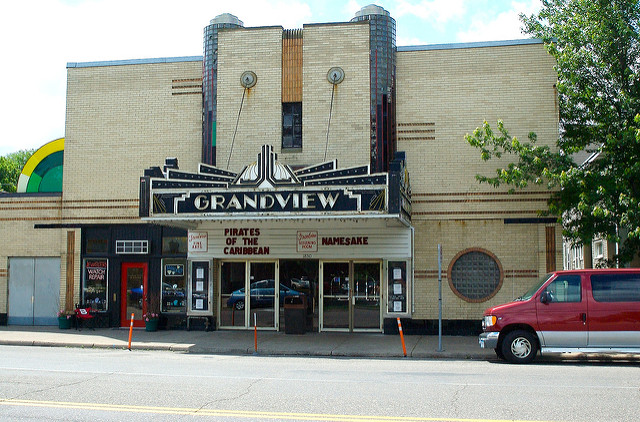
[174,284]
[397,277]
[94,285]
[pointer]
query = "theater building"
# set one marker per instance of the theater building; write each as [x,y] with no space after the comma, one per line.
[294,180]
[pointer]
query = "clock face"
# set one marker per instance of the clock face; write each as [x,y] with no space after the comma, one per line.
[248,79]
[335,75]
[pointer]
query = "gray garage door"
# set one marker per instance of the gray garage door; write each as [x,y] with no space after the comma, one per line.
[34,291]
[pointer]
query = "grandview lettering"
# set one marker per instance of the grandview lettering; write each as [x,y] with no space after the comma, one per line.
[266,201]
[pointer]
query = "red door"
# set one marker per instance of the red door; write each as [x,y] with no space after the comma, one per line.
[133,291]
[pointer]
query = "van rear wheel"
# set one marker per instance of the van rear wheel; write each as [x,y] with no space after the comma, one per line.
[519,347]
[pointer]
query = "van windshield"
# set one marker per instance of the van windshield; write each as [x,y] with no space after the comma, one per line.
[535,287]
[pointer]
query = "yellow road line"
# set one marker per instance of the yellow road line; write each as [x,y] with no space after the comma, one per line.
[237,413]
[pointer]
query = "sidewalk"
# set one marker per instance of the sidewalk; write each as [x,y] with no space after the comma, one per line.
[242,342]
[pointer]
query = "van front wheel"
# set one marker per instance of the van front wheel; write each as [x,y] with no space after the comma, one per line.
[519,347]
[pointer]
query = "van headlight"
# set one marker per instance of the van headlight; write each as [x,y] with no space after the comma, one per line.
[489,321]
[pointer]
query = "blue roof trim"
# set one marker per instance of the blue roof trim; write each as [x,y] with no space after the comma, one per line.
[471,45]
[135,61]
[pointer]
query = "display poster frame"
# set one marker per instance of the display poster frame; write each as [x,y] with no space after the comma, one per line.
[200,289]
[397,288]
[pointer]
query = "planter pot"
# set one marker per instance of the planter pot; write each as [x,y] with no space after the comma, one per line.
[64,323]
[151,325]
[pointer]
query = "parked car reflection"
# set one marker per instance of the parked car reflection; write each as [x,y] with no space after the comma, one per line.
[135,296]
[262,294]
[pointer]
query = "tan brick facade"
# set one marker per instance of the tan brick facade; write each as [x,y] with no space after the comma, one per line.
[442,95]
[123,118]
[326,46]
[257,50]
[260,121]
[454,90]
[120,120]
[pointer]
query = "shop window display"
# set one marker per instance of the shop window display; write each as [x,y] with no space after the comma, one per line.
[94,285]
[174,286]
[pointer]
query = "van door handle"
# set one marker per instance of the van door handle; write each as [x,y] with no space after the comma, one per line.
[584,317]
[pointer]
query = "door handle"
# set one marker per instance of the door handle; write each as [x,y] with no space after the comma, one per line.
[584,317]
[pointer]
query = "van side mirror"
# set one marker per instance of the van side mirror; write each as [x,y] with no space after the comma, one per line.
[546,297]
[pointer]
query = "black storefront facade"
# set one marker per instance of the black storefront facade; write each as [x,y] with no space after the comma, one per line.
[312,249]
[124,267]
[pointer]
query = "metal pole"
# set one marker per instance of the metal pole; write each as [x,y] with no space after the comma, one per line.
[439,297]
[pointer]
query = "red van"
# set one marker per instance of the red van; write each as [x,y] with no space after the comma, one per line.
[584,311]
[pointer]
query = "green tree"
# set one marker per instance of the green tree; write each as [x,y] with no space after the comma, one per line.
[597,49]
[10,167]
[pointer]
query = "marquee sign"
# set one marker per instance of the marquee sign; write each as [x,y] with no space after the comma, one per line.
[267,187]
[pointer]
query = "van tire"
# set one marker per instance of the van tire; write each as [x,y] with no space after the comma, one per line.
[519,346]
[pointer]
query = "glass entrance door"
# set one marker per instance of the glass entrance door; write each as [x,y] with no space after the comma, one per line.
[335,295]
[247,294]
[366,296]
[264,298]
[133,282]
[351,296]
[232,294]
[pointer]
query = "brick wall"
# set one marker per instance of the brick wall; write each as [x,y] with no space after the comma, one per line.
[442,95]
[121,120]
[345,46]
[452,91]
[260,121]
[260,50]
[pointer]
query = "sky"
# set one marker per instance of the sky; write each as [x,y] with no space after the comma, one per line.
[39,38]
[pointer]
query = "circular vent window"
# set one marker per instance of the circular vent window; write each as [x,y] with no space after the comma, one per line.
[475,275]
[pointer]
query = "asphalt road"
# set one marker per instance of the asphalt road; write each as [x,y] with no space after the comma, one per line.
[54,384]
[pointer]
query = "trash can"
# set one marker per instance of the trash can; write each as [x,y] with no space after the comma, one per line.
[295,308]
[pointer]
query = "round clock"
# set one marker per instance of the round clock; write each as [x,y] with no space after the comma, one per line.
[335,75]
[248,79]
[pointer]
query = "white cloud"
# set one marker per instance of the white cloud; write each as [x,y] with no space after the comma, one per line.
[352,7]
[439,11]
[504,26]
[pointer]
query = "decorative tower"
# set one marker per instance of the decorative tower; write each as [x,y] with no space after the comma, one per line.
[210,83]
[382,42]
